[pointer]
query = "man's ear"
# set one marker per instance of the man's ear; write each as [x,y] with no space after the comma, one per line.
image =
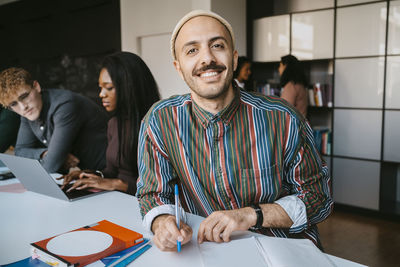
[178,68]
[235,59]
[36,86]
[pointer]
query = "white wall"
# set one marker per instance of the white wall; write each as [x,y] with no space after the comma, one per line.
[140,18]
[234,11]
[150,22]
[156,53]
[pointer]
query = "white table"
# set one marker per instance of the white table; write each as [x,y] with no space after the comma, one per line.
[28,217]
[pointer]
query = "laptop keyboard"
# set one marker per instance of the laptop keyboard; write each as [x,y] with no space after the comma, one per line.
[75,193]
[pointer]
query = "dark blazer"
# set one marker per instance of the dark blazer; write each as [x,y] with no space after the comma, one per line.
[68,123]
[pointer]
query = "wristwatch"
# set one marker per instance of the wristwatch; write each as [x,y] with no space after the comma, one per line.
[260,217]
[99,173]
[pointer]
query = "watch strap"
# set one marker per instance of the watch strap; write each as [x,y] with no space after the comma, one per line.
[260,216]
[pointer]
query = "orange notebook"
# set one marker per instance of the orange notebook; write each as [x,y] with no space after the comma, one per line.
[85,245]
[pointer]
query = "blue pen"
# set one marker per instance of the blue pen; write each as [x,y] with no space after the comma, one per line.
[177,215]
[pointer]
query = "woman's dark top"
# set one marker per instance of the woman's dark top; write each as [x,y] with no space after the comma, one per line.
[9,125]
[124,169]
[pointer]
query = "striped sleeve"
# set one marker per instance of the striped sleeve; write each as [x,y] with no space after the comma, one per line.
[306,174]
[155,172]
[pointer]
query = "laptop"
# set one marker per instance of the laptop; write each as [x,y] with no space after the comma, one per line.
[35,178]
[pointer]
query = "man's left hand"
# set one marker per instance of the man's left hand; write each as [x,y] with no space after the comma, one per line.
[219,226]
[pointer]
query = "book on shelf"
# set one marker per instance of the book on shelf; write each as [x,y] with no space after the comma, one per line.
[269,89]
[311,99]
[323,139]
[320,95]
[85,245]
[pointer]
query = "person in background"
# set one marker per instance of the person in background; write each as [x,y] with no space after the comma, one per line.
[242,73]
[241,159]
[293,83]
[60,128]
[9,125]
[127,90]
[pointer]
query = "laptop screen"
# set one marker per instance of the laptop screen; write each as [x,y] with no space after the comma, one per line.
[36,179]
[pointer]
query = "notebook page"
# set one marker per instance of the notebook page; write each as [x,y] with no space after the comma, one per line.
[236,253]
[284,252]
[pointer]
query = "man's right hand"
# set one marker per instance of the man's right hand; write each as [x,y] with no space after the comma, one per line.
[166,233]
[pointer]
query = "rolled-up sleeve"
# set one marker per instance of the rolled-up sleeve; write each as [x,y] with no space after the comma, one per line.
[306,174]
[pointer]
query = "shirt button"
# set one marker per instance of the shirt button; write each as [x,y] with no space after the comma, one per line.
[45,141]
[41,128]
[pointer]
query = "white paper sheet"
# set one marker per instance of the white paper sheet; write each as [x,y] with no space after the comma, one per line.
[236,253]
[283,252]
[55,176]
[264,251]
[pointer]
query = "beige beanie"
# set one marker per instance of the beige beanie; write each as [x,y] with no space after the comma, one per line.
[197,13]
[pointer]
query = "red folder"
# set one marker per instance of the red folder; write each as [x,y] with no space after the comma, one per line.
[122,239]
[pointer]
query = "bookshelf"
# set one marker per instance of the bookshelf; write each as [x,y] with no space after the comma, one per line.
[266,80]
[361,67]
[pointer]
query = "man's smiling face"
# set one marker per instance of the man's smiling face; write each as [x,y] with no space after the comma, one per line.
[205,57]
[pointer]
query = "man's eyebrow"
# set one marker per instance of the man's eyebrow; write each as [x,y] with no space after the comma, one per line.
[189,44]
[218,38]
[210,41]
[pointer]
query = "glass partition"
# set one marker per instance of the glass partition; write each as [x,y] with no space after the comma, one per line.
[312,34]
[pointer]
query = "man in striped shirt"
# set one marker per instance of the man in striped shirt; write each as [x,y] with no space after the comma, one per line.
[240,159]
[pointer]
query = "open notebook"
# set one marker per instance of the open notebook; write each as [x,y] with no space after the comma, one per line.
[264,251]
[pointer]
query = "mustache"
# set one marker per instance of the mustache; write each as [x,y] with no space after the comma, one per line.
[212,66]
